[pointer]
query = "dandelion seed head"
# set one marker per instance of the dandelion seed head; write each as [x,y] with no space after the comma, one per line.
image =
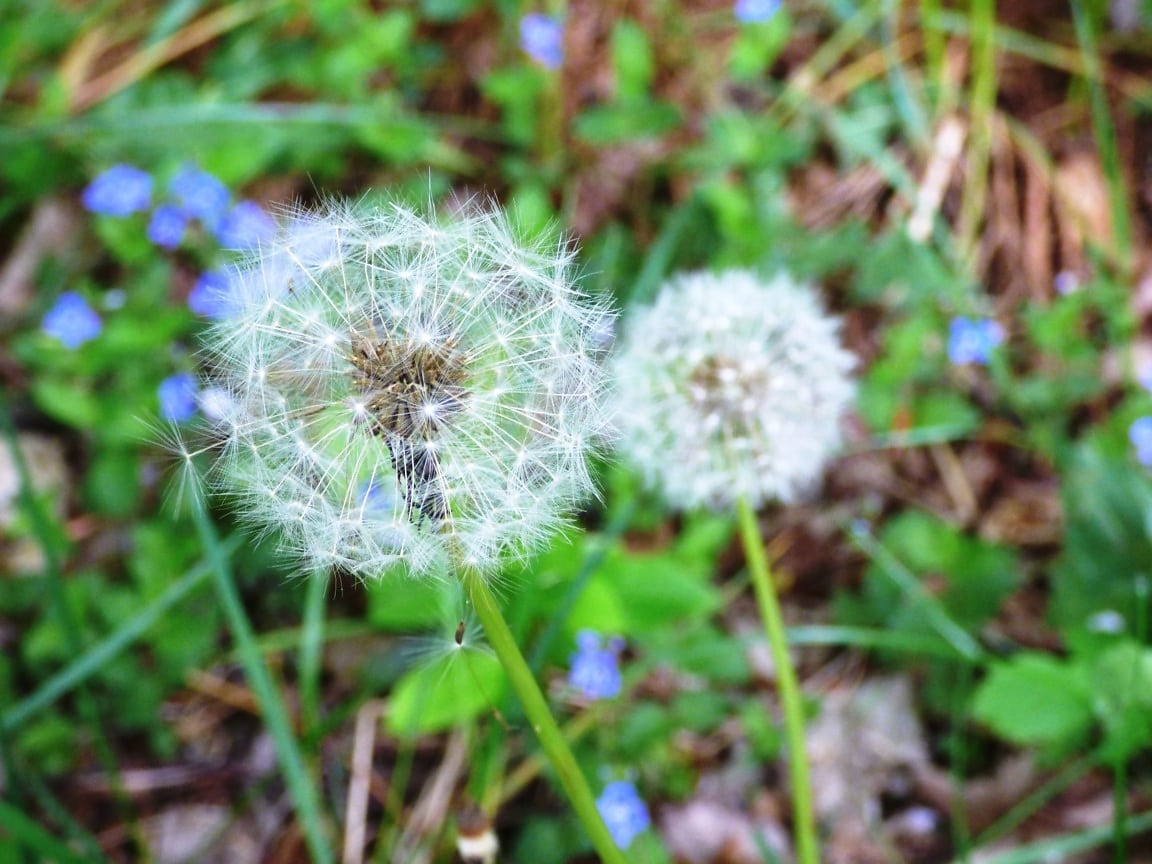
[728,386]
[383,351]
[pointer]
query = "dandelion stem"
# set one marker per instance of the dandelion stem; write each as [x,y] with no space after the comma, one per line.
[543,724]
[803,821]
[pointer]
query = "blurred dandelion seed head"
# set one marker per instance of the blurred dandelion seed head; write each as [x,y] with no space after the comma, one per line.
[449,367]
[731,386]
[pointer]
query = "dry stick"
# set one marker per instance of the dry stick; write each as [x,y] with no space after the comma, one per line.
[356,810]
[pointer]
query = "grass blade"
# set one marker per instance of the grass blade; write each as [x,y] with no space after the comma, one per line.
[272,706]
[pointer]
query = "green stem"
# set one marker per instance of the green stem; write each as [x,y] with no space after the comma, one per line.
[543,724]
[803,820]
[311,652]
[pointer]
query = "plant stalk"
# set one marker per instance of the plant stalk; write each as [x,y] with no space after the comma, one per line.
[803,819]
[543,724]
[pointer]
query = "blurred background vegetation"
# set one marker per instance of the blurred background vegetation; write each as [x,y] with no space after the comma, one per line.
[969,591]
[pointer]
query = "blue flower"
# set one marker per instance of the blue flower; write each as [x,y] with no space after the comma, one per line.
[211,295]
[246,226]
[120,191]
[1140,434]
[166,228]
[200,195]
[971,340]
[756,11]
[72,320]
[379,500]
[1144,376]
[623,811]
[542,39]
[178,397]
[595,668]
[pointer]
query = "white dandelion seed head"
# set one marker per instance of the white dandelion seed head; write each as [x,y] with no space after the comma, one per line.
[731,386]
[402,390]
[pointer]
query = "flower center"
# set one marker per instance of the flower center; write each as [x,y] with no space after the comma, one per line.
[410,389]
[725,391]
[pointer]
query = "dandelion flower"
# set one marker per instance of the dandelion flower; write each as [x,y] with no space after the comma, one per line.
[445,366]
[731,387]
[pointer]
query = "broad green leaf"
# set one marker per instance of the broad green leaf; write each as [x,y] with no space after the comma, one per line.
[435,697]
[1034,699]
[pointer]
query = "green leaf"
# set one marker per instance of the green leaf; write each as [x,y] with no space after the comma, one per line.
[397,603]
[439,696]
[1107,539]
[758,46]
[632,60]
[69,402]
[659,590]
[613,124]
[1122,696]
[1034,699]
[111,487]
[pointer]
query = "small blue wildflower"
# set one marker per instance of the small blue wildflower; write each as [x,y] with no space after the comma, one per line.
[1140,434]
[1065,282]
[178,397]
[1144,375]
[623,811]
[596,668]
[756,11]
[211,295]
[378,499]
[166,228]
[120,191]
[1107,621]
[971,340]
[246,226]
[200,195]
[542,39]
[72,320]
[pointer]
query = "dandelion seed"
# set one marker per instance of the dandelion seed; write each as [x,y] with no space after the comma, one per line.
[408,391]
[72,320]
[730,387]
[623,811]
[971,340]
[120,191]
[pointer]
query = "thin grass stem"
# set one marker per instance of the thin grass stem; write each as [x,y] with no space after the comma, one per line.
[1105,132]
[312,651]
[272,707]
[803,816]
